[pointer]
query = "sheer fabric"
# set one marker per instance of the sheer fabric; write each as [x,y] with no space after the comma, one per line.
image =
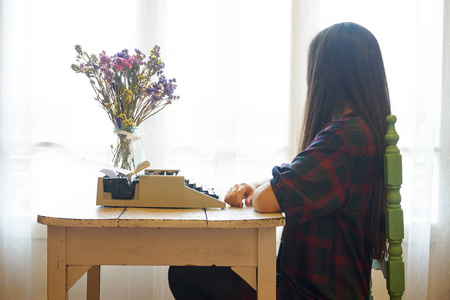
[232,67]
[240,66]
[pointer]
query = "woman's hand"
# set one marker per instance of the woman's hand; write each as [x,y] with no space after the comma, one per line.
[239,192]
[265,200]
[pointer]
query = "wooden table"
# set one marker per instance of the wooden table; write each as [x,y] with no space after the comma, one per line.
[81,239]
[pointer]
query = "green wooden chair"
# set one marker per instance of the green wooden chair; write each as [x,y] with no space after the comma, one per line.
[394,269]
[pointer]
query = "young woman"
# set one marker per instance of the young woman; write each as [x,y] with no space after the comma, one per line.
[332,193]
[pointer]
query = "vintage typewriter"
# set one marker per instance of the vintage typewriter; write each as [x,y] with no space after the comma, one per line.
[156,188]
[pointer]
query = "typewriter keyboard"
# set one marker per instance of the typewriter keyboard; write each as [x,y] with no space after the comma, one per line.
[189,183]
[200,188]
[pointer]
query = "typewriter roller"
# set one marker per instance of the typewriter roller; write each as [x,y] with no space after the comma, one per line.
[156,188]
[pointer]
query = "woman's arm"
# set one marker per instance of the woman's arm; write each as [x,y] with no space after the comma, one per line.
[260,195]
[264,199]
[242,191]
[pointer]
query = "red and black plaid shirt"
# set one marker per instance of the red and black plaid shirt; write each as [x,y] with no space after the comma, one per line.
[324,194]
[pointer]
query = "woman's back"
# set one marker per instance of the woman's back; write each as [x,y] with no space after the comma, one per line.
[325,195]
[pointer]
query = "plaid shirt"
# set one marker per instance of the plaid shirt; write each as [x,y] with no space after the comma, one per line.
[324,194]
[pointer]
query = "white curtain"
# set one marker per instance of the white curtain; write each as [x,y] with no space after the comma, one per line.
[231,61]
[240,66]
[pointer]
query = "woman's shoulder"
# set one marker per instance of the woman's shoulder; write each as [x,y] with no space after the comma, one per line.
[351,130]
[350,123]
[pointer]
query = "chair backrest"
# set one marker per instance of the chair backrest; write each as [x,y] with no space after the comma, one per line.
[395,269]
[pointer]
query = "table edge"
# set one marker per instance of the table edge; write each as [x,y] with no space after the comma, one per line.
[274,220]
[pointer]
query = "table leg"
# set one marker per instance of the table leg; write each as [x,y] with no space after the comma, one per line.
[93,283]
[266,263]
[56,263]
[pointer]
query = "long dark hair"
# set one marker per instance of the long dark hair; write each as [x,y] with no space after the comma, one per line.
[346,70]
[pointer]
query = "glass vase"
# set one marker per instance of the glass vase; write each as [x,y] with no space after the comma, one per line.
[126,152]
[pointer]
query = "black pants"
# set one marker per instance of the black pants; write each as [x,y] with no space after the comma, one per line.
[192,283]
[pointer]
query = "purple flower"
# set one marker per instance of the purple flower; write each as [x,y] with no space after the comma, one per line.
[104,59]
[108,75]
[123,54]
[151,90]
[118,122]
